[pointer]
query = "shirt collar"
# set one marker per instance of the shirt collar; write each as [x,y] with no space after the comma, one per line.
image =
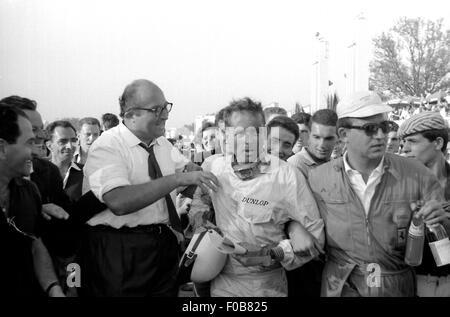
[131,139]
[74,166]
[348,169]
[309,161]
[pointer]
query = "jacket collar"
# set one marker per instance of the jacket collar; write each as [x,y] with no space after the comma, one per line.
[338,165]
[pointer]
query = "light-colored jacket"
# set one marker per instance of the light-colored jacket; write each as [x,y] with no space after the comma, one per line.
[355,241]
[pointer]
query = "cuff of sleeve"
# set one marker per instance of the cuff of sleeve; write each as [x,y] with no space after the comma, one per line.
[110,185]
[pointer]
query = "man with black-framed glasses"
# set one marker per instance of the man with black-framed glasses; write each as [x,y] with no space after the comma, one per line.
[365,200]
[135,171]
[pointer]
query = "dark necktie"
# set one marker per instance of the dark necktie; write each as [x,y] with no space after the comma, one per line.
[155,172]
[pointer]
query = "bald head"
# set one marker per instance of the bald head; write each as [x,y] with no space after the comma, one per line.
[140,93]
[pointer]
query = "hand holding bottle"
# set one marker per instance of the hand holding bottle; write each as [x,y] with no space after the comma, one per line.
[432,213]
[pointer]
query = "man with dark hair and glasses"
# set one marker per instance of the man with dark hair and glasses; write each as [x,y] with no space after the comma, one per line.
[132,248]
[24,256]
[365,200]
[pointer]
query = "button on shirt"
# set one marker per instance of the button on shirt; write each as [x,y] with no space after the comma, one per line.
[363,190]
[115,160]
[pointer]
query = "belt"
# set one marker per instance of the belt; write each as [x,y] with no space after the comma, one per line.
[364,269]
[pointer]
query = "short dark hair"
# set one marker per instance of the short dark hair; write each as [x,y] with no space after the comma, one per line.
[219,117]
[274,110]
[109,120]
[394,126]
[301,118]
[432,135]
[242,105]
[344,122]
[207,125]
[59,123]
[9,122]
[326,117]
[20,102]
[286,123]
[91,121]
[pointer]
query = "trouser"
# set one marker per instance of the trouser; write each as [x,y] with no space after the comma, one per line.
[60,264]
[344,279]
[141,261]
[305,281]
[202,289]
[400,284]
[433,286]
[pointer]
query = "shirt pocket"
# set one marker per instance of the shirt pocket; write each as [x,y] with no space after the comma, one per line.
[394,222]
[338,223]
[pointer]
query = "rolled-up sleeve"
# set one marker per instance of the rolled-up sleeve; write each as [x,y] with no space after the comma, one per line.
[303,207]
[106,168]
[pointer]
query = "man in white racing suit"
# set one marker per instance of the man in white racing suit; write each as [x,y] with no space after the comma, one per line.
[264,204]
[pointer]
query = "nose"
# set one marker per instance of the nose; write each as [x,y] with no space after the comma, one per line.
[406,148]
[380,134]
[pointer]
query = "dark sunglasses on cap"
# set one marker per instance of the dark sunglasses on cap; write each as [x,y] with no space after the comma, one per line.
[372,128]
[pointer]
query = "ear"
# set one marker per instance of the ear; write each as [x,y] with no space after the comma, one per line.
[439,143]
[3,146]
[342,134]
[48,144]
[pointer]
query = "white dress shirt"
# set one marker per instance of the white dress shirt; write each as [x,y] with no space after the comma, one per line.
[115,160]
[365,191]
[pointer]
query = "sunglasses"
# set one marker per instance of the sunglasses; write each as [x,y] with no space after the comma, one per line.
[372,128]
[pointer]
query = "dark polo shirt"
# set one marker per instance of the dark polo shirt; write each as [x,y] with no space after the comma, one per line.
[61,236]
[16,230]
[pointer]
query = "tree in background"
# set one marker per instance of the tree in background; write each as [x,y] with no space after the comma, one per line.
[412,58]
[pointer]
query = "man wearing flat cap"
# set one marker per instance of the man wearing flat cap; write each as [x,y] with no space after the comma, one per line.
[425,137]
[365,201]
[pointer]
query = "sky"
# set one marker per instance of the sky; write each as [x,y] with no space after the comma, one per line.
[74,57]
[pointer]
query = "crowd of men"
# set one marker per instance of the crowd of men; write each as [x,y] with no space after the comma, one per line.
[315,201]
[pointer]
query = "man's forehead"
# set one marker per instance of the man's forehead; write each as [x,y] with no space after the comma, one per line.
[64,132]
[416,136]
[245,119]
[317,127]
[147,94]
[88,126]
[280,132]
[26,130]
